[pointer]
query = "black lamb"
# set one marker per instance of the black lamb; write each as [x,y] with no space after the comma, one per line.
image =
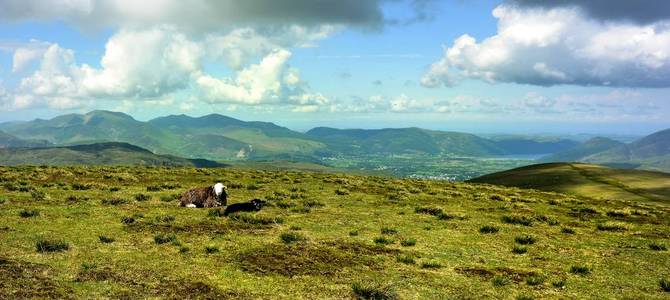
[253,205]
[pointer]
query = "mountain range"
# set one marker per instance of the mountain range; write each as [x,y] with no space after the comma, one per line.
[651,152]
[220,137]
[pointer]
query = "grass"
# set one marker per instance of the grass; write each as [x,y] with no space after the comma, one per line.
[210,249]
[382,240]
[499,281]
[517,220]
[580,270]
[243,256]
[612,226]
[46,245]
[162,238]
[519,249]
[105,239]
[29,213]
[292,237]
[657,247]
[431,265]
[568,230]
[388,230]
[373,291]
[665,285]
[488,229]
[406,259]
[408,242]
[525,239]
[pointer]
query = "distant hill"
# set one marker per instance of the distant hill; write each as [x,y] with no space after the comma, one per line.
[586,180]
[404,140]
[528,145]
[112,153]
[10,141]
[651,152]
[581,151]
[417,140]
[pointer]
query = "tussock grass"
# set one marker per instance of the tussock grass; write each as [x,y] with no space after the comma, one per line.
[431,265]
[612,226]
[211,249]
[406,259]
[163,238]
[114,201]
[580,270]
[657,247]
[567,230]
[47,245]
[519,249]
[382,240]
[499,281]
[525,239]
[292,237]
[517,220]
[106,240]
[408,242]
[488,229]
[664,284]
[389,230]
[373,291]
[29,213]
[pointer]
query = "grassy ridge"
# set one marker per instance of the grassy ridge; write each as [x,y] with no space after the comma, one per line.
[597,182]
[97,232]
[114,154]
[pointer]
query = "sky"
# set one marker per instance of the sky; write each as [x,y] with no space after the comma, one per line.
[505,66]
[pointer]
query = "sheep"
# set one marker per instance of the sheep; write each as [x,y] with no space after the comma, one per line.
[253,205]
[213,196]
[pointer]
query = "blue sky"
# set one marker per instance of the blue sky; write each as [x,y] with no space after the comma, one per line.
[517,66]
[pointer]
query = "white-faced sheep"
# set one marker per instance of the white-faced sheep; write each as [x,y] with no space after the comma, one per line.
[212,196]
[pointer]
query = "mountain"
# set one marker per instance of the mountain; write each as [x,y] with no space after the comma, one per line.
[592,181]
[213,136]
[95,126]
[10,141]
[111,153]
[651,152]
[579,152]
[403,140]
[219,137]
[529,145]
[247,139]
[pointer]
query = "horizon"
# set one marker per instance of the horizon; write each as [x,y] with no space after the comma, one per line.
[573,135]
[488,67]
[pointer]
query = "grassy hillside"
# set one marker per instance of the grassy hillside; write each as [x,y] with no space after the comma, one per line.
[581,151]
[586,180]
[89,232]
[403,140]
[96,154]
[10,141]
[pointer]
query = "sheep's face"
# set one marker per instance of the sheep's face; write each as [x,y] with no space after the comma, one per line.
[258,204]
[219,189]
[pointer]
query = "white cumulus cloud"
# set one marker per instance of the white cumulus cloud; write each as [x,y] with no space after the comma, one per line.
[558,45]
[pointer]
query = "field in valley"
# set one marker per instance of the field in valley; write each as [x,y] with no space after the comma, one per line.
[118,232]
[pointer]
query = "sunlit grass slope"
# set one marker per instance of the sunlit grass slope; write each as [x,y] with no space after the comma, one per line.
[587,180]
[118,232]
